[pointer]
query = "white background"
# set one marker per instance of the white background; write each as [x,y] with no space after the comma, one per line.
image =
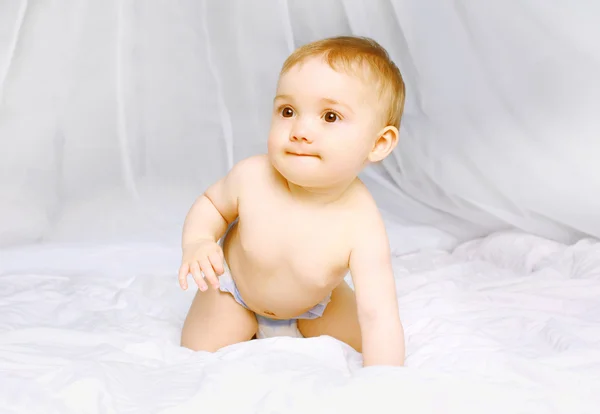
[115,115]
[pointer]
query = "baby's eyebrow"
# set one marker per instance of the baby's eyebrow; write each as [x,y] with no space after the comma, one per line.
[334,102]
[284,97]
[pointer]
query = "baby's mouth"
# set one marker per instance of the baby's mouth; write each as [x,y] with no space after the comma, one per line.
[301,154]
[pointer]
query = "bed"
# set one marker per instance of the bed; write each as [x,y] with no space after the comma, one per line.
[509,323]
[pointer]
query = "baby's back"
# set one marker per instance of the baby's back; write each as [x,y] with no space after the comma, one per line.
[286,256]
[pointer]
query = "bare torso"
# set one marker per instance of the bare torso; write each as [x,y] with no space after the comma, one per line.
[285,256]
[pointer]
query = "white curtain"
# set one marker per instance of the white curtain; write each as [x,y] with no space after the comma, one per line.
[116,114]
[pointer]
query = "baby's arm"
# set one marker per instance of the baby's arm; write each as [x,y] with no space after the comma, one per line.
[205,224]
[214,210]
[375,289]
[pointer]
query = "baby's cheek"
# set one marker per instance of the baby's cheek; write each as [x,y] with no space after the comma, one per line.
[273,142]
[345,162]
[352,151]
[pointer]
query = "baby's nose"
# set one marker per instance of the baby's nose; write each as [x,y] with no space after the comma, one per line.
[302,130]
[300,137]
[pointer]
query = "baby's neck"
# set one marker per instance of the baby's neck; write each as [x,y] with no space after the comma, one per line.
[328,195]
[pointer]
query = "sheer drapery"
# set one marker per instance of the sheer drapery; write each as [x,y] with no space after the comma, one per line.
[115,115]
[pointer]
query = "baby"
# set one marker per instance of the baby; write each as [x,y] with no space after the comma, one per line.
[269,244]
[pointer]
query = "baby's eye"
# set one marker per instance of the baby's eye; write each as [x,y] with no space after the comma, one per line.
[287,112]
[331,116]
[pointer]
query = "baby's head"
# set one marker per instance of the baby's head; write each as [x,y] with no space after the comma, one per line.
[338,107]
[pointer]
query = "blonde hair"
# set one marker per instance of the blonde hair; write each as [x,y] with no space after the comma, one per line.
[349,53]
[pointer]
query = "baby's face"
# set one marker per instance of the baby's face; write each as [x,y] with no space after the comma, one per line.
[324,125]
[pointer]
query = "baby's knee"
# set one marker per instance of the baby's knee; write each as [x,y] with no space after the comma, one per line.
[212,342]
[355,341]
[196,345]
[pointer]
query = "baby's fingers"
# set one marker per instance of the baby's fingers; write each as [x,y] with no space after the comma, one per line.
[217,262]
[184,271]
[195,269]
[209,272]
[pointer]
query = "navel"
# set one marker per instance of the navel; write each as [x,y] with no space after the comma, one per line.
[269,313]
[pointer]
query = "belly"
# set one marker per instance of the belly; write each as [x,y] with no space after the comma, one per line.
[274,288]
[277,299]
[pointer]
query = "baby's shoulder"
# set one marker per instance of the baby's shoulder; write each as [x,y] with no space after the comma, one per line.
[364,214]
[253,176]
[361,200]
[251,166]
[250,171]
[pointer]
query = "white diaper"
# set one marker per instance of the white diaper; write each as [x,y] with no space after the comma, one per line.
[267,327]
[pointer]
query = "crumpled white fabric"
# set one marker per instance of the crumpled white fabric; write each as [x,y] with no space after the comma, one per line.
[508,323]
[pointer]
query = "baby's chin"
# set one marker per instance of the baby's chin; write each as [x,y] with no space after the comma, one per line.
[303,171]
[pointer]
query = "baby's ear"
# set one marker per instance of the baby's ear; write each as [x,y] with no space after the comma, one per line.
[386,141]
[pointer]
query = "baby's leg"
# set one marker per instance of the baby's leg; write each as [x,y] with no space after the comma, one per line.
[339,320]
[216,320]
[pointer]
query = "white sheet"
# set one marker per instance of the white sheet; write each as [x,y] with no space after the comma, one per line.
[510,323]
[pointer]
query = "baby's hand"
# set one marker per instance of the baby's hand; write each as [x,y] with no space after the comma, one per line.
[206,257]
